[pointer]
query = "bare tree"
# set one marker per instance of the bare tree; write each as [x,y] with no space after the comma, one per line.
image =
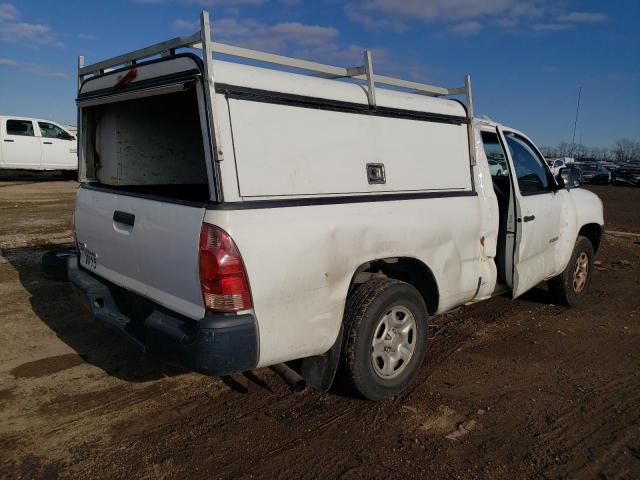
[626,150]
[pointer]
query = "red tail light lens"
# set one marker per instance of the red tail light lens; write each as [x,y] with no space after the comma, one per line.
[223,279]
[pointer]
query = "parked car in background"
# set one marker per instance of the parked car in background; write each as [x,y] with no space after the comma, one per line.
[555,164]
[497,165]
[626,175]
[594,173]
[36,144]
[610,166]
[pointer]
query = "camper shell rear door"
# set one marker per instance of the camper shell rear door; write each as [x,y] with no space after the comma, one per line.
[143,242]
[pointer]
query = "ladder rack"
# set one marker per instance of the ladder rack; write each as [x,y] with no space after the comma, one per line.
[202,40]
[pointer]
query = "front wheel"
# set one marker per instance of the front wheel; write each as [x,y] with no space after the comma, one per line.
[571,286]
[385,338]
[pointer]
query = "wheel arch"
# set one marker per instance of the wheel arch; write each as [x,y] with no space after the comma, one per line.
[594,232]
[319,371]
[407,269]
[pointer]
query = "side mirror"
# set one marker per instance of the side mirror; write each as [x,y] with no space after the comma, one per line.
[569,177]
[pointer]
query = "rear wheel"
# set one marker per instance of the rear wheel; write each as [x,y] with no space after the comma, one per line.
[385,338]
[571,286]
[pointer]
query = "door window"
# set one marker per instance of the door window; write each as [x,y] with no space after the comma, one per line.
[20,127]
[49,130]
[529,166]
[495,155]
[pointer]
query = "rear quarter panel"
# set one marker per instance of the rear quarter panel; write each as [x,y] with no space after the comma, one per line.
[300,260]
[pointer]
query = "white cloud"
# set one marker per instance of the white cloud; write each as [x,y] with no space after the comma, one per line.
[34,69]
[186,25]
[466,28]
[550,26]
[312,42]
[207,3]
[27,33]
[398,14]
[583,17]
[280,37]
[466,16]
[21,32]
[8,12]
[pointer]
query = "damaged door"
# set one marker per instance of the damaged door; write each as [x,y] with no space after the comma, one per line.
[538,213]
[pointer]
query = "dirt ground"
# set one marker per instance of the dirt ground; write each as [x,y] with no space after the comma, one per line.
[510,389]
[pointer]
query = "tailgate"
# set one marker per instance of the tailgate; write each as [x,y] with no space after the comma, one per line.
[145,245]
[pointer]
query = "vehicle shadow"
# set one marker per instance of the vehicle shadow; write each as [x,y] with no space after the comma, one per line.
[56,305]
[539,294]
[35,176]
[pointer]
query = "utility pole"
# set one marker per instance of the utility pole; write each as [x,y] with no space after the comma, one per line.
[575,123]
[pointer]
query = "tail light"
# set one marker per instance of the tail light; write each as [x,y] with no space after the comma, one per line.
[223,279]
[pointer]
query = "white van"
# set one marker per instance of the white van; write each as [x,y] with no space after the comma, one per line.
[36,144]
[232,217]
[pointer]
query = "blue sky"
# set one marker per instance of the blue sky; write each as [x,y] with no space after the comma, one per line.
[527,58]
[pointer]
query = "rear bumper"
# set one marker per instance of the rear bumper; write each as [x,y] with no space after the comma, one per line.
[218,344]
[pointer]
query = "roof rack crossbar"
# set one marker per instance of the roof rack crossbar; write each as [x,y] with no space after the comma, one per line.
[150,51]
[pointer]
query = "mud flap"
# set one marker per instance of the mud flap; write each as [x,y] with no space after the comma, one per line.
[319,371]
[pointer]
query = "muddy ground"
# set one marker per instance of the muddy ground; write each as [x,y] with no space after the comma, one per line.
[509,389]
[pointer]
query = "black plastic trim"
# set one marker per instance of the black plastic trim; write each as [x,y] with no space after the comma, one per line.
[217,344]
[186,77]
[124,218]
[287,202]
[303,202]
[268,96]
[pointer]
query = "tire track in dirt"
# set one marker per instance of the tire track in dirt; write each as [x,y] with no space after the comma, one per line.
[583,422]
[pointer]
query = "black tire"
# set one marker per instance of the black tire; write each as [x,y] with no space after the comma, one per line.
[365,308]
[54,264]
[562,288]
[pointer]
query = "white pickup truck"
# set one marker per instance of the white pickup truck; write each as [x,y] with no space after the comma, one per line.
[232,217]
[36,144]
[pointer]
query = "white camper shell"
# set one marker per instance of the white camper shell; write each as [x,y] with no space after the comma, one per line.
[233,216]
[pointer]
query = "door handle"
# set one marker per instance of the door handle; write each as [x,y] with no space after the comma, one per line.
[48,143]
[124,218]
[529,218]
[8,140]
